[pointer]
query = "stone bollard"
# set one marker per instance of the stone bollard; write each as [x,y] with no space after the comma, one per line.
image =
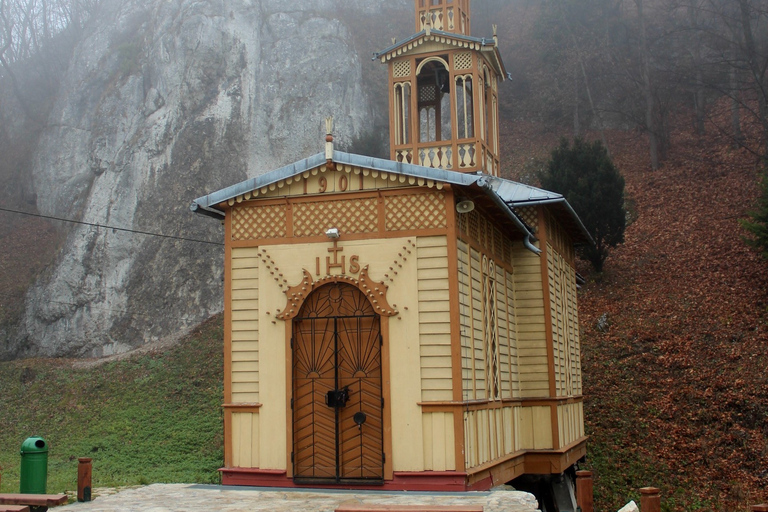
[650,500]
[584,491]
[84,470]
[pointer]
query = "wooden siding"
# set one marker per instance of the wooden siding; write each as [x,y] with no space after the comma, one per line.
[535,427]
[472,343]
[434,318]
[489,435]
[571,420]
[531,331]
[439,441]
[245,325]
[505,296]
[563,311]
[245,440]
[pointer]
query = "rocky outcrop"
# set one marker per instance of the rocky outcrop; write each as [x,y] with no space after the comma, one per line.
[163,102]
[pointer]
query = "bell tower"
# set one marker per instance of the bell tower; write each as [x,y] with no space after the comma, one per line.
[443,92]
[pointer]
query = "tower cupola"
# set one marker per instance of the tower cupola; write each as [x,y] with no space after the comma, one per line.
[446,15]
[443,92]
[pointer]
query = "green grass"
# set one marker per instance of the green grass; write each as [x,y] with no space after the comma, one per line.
[154,417]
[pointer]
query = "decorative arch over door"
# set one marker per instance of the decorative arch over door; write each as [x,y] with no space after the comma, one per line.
[337,387]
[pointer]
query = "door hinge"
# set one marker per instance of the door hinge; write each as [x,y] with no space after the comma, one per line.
[291,341]
[382,401]
[383,458]
[291,457]
[381,339]
[291,403]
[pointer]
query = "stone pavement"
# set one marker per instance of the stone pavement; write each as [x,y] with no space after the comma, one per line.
[199,498]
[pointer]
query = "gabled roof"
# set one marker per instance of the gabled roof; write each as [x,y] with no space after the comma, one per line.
[505,194]
[450,40]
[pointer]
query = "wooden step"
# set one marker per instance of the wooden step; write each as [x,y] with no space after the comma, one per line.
[34,500]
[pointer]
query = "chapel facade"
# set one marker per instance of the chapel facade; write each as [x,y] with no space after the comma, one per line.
[409,323]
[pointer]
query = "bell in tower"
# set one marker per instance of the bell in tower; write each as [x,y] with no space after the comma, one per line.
[444,92]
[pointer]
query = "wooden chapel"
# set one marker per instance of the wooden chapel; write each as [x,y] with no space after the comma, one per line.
[407,323]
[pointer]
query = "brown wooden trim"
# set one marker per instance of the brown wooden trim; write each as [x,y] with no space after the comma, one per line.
[227,336]
[455,321]
[392,117]
[550,340]
[381,209]
[520,454]
[386,393]
[559,400]
[288,397]
[477,405]
[242,407]
[288,219]
[344,237]
[555,461]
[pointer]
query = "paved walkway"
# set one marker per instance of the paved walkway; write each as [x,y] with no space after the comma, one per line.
[199,498]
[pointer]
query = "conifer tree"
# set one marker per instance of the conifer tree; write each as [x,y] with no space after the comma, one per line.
[585,175]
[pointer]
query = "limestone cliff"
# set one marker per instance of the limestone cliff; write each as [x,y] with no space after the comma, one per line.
[163,102]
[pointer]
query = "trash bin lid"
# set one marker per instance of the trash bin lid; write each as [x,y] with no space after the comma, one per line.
[34,444]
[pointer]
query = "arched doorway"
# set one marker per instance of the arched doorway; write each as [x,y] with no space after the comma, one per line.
[337,388]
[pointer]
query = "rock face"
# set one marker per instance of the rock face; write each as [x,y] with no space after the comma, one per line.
[164,102]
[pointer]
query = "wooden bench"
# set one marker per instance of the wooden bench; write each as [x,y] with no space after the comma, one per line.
[14,508]
[36,502]
[409,508]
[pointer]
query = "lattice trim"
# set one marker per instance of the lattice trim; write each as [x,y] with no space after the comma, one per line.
[349,216]
[415,211]
[258,222]
[529,215]
[402,68]
[463,61]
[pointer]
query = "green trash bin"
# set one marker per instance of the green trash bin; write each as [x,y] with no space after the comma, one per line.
[33,478]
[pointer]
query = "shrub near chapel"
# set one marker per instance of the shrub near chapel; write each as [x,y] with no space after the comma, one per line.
[586,176]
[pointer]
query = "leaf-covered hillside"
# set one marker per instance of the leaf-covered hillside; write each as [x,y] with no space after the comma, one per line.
[676,388]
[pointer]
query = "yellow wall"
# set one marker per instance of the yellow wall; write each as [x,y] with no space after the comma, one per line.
[245,440]
[406,352]
[434,318]
[531,330]
[245,325]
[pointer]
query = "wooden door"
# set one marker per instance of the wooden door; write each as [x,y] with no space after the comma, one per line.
[337,400]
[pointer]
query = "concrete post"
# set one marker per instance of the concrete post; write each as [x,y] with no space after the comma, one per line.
[584,491]
[650,500]
[84,470]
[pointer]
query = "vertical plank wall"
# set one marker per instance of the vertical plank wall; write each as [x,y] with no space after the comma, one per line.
[490,430]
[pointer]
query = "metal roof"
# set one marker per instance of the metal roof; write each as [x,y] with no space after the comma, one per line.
[506,194]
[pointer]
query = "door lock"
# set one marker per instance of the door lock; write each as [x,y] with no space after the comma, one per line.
[337,397]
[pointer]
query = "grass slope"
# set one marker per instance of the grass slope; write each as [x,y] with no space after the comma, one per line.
[153,417]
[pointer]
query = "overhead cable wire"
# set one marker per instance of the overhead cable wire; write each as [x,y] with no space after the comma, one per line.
[113,228]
